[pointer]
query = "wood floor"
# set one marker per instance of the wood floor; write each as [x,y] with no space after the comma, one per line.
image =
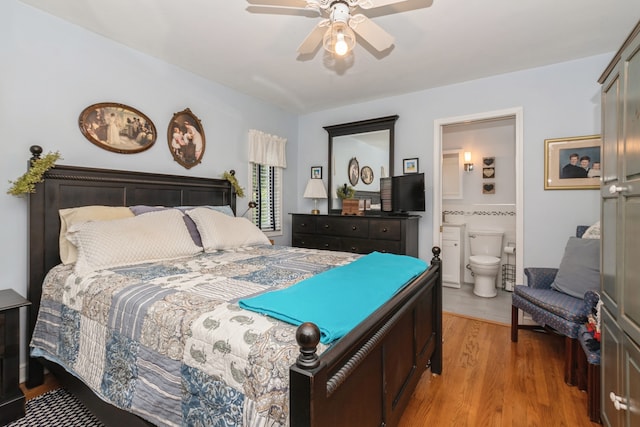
[487,381]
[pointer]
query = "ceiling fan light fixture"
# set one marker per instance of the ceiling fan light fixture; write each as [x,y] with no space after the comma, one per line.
[339,39]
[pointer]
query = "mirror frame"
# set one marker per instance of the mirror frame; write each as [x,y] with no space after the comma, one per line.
[363,126]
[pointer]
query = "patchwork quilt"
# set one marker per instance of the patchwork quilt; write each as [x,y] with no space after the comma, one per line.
[168,340]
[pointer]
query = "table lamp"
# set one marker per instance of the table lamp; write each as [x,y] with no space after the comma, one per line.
[315,190]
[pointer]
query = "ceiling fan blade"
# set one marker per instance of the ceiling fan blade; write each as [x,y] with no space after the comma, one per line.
[370,4]
[311,42]
[282,3]
[302,7]
[371,32]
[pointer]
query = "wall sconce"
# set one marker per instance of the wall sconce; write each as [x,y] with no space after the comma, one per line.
[468,166]
[315,190]
[250,205]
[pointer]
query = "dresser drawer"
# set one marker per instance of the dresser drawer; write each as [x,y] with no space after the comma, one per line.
[343,226]
[304,224]
[316,241]
[366,246]
[385,229]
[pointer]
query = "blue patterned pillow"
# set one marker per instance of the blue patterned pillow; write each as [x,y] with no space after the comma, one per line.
[579,269]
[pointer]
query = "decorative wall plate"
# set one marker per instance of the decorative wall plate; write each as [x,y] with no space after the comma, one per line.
[488,172]
[186,138]
[117,127]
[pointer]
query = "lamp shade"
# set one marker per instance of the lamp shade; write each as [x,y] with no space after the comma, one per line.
[315,190]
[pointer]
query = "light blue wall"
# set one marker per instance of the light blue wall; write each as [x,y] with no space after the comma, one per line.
[558,101]
[52,70]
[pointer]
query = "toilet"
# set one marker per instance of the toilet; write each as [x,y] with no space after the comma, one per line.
[485,248]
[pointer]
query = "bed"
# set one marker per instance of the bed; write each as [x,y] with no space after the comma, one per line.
[365,378]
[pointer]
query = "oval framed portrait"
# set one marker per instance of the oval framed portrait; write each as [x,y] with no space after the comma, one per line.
[186,138]
[354,171]
[117,127]
[366,175]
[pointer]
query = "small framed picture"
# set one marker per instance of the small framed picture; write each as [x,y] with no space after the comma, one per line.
[489,188]
[316,172]
[410,166]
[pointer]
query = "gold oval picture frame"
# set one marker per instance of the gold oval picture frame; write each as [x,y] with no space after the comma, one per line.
[186,138]
[117,127]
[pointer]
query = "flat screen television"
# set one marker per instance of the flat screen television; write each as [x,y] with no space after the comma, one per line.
[405,192]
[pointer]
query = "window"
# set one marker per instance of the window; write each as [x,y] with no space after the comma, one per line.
[266,185]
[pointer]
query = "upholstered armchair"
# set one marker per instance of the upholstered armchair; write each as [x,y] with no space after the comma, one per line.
[561,308]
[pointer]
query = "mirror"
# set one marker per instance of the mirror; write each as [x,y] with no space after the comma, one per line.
[360,153]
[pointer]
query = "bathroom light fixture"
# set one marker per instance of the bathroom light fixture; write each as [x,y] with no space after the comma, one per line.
[315,190]
[468,166]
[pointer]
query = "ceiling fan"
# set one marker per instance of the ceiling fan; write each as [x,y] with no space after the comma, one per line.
[336,31]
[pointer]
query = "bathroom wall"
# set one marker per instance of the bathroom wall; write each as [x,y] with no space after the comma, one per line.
[488,191]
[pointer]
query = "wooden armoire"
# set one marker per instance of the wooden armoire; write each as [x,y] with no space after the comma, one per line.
[620,237]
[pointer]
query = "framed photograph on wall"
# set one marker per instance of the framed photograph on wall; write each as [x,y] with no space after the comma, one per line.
[572,163]
[316,172]
[410,166]
[186,138]
[117,127]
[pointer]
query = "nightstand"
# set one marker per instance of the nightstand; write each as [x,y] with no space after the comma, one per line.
[11,396]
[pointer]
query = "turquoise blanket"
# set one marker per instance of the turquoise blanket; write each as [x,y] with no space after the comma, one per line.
[338,299]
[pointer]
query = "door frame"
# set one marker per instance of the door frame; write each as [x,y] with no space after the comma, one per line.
[438,124]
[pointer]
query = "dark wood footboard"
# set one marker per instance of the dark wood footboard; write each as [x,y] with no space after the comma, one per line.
[367,378]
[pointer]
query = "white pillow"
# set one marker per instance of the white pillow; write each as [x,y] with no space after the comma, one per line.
[220,231]
[592,232]
[71,216]
[151,237]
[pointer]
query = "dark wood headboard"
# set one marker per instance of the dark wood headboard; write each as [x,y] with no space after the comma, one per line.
[71,186]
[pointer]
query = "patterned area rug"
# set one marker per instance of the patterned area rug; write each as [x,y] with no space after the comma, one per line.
[56,408]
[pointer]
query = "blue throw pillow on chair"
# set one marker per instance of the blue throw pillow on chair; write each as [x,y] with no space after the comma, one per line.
[579,269]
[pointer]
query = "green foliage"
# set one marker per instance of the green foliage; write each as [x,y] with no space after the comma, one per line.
[27,182]
[234,183]
[345,191]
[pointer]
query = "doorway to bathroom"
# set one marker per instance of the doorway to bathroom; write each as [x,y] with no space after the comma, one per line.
[478,185]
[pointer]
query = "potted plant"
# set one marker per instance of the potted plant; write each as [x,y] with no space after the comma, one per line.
[345,192]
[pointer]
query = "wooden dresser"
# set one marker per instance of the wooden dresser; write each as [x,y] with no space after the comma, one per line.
[362,234]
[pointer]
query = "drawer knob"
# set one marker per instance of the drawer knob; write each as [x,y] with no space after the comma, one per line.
[354,227]
[326,245]
[302,224]
[384,230]
[326,226]
[353,249]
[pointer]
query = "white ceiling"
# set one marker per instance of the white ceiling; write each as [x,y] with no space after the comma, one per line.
[252,48]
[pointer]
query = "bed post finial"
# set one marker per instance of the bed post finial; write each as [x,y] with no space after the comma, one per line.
[36,150]
[436,252]
[308,337]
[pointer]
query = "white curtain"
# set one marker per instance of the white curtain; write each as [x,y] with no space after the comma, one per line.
[268,150]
